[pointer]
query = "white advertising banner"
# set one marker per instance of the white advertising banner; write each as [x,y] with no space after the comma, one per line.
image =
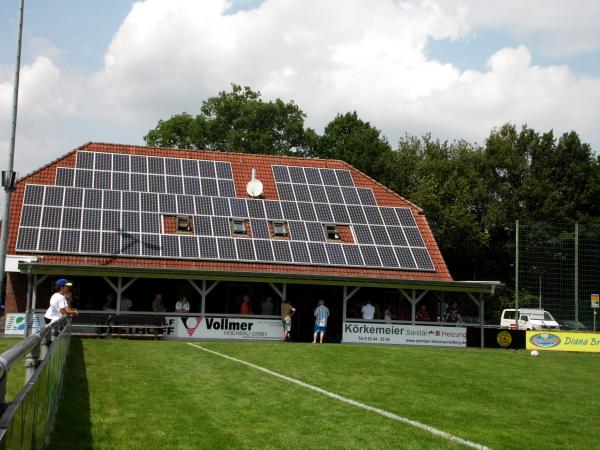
[400,334]
[14,323]
[202,327]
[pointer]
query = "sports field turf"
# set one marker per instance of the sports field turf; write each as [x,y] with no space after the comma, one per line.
[16,376]
[168,394]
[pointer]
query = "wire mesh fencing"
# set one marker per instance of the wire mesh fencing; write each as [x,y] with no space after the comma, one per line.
[558,268]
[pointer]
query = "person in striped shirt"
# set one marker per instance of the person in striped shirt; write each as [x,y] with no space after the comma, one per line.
[321,316]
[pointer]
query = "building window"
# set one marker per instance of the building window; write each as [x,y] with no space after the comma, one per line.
[280,229]
[238,226]
[331,232]
[184,224]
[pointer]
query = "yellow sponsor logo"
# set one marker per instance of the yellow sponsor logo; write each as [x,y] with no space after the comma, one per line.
[504,339]
[563,341]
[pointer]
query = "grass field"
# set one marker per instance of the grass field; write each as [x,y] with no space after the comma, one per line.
[168,394]
[16,377]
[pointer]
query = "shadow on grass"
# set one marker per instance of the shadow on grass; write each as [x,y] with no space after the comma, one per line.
[72,426]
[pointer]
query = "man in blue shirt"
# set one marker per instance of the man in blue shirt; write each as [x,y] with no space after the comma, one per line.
[321,316]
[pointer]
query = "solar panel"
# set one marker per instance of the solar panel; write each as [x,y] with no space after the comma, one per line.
[298,231]
[328,176]
[285,192]
[226,248]
[71,218]
[31,216]
[169,246]
[202,225]
[191,186]
[315,232]
[189,246]
[131,221]
[92,219]
[150,223]
[90,242]
[245,249]
[27,240]
[353,256]
[366,196]
[335,254]
[405,257]
[282,252]
[69,241]
[256,208]
[406,217]
[260,229]
[363,234]
[150,244]
[130,244]
[299,252]
[318,255]
[65,176]
[111,243]
[102,180]
[209,187]
[174,185]
[387,256]
[114,204]
[413,236]
[139,182]
[264,251]
[290,211]
[307,211]
[302,193]
[185,205]
[370,255]
[344,177]
[281,174]
[34,194]
[273,209]
[120,181]
[422,258]
[224,170]
[73,197]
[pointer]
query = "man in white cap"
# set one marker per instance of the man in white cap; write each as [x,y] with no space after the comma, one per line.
[58,302]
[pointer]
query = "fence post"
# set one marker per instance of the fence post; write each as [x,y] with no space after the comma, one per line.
[517,275]
[576,293]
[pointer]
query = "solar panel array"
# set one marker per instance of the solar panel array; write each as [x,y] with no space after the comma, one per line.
[113,204]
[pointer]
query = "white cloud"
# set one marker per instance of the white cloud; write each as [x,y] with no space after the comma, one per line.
[167,57]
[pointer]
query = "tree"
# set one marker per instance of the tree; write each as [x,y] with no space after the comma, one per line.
[358,143]
[237,121]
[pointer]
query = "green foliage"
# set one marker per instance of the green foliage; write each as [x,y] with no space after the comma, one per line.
[237,121]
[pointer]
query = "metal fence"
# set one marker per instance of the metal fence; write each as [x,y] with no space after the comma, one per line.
[558,269]
[26,422]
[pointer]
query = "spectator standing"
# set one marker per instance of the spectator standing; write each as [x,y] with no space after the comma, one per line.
[321,316]
[287,311]
[183,305]
[422,314]
[267,307]
[368,311]
[453,314]
[157,303]
[246,307]
[58,302]
[126,303]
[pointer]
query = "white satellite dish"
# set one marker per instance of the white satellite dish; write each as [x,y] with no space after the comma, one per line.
[254,188]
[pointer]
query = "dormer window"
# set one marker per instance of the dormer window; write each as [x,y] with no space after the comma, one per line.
[280,229]
[238,226]
[331,232]
[184,224]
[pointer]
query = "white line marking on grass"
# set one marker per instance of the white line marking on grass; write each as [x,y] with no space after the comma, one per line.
[382,412]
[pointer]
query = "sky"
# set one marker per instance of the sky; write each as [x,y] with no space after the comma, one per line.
[107,71]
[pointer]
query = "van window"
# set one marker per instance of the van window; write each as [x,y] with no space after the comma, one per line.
[548,316]
[525,318]
[509,314]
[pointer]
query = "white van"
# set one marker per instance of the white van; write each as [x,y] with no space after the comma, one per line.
[529,319]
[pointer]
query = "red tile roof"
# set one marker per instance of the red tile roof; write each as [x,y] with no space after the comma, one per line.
[242,165]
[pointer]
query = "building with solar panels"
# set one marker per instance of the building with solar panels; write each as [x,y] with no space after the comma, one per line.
[127,224]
